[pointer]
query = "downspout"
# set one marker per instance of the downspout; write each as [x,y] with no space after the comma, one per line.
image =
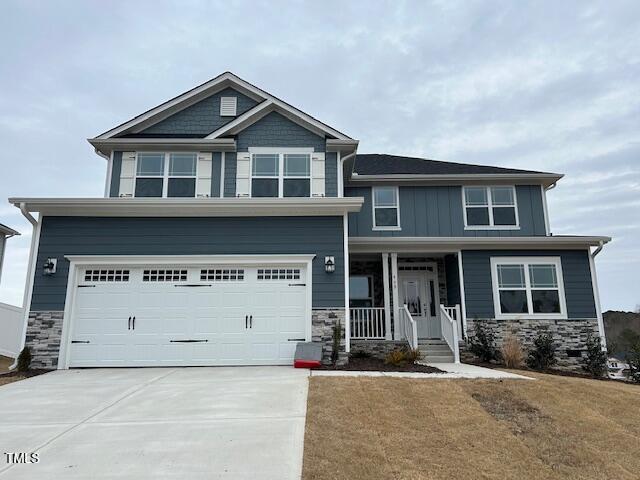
[33,255]
[596,294]
[345,233]
[598,250]
[27,215]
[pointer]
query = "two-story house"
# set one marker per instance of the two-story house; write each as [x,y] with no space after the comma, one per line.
[234,226]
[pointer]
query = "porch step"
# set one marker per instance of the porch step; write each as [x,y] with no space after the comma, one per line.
[435,351]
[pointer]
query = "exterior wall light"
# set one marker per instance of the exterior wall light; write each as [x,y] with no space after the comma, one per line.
[50,266]
[329,264]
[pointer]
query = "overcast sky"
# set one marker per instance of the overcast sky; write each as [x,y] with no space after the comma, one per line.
[537,85]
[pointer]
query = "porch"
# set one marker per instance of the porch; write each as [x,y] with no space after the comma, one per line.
[415,299]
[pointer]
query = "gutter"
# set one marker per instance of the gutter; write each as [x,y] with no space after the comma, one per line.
[23,208]
[598,250]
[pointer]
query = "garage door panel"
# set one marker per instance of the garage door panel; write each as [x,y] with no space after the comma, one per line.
[216,312]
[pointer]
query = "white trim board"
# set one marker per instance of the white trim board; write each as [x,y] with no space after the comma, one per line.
[195,207]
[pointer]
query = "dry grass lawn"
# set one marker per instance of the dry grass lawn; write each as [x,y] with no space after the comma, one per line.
[5,363]
[552,428]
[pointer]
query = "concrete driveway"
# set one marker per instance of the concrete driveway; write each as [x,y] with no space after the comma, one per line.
[191,423]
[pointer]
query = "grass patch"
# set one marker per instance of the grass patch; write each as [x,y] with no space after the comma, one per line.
[552,428]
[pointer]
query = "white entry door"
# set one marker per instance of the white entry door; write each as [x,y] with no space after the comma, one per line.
[419,291]
[195,315]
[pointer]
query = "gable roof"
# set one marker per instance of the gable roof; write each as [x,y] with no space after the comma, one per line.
[196,94]
[372,166]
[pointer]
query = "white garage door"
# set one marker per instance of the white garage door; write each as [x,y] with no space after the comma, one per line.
[196,315]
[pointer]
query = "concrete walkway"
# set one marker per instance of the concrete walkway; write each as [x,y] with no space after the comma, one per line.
[191,423]
[451,370]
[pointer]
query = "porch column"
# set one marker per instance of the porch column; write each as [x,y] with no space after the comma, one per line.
[463,303]
[387,299]
[394,293]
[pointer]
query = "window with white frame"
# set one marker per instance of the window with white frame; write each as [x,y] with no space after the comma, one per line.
[528,287]
[165,174]
[386,208]
[490,207]
[281,175]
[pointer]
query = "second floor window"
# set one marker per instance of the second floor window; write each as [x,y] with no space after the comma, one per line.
[165,175]
[386,208]
[281,175]
[490,207]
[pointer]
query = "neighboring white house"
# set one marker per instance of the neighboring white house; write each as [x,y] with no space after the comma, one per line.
[5,232]
[10,317]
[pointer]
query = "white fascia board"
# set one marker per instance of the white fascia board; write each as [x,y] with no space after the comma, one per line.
[453,244]
[107,146]
[275,105]
[296,259]
[182,101]
[467,179]
[342,146]
[7,231]
[191,207]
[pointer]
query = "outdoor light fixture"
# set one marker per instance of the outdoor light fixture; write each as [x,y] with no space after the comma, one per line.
[329,264]
[50,266]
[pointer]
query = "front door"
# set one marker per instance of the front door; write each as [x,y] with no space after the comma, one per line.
[419,291]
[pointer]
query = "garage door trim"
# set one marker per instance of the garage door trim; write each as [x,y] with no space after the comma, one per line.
[79,262]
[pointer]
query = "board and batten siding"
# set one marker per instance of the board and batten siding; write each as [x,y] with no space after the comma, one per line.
[62,236]
[576,273]
[436,211]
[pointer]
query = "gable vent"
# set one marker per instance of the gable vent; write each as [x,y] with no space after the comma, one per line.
[228,106]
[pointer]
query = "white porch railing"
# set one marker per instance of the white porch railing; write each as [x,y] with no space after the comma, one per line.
[367,323]
[408,327]
[449,326]
[456,313]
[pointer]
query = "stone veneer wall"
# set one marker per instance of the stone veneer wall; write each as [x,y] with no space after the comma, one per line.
[44,331]
[377,348]
[322,323]
[568,335]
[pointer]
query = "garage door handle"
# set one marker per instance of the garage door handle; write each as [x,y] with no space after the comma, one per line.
[246,321]
[80,341]
[187,341]
[129,324]
[297,339]
[251,321]
[133,323]
[195,285]
[297,284]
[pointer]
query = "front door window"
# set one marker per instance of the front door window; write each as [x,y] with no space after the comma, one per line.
[412,297]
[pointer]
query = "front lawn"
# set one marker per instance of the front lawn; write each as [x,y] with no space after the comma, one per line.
[551,428]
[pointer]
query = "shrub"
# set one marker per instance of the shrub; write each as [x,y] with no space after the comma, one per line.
[511,351]
[543,354]
[396,357]
[633,359]
[482,342]
[24,360]
[337,335]
[595,362]
[412,355]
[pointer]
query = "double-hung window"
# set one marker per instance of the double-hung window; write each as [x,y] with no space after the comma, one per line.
[490,208]
[386,208]
[165,175]
[281,175]
[528,287]
[360,291]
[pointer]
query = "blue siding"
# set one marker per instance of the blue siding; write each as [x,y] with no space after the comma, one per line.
[189,236]
[575,270]
[230,174]
[275,130]
[331,174]
[216,166]
[201,118]
[436,211]
[116,168]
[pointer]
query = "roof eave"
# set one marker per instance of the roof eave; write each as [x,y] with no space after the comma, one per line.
[546,179]
[197,207]
[106,146]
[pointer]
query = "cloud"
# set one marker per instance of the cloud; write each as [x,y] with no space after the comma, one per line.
[541,85]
